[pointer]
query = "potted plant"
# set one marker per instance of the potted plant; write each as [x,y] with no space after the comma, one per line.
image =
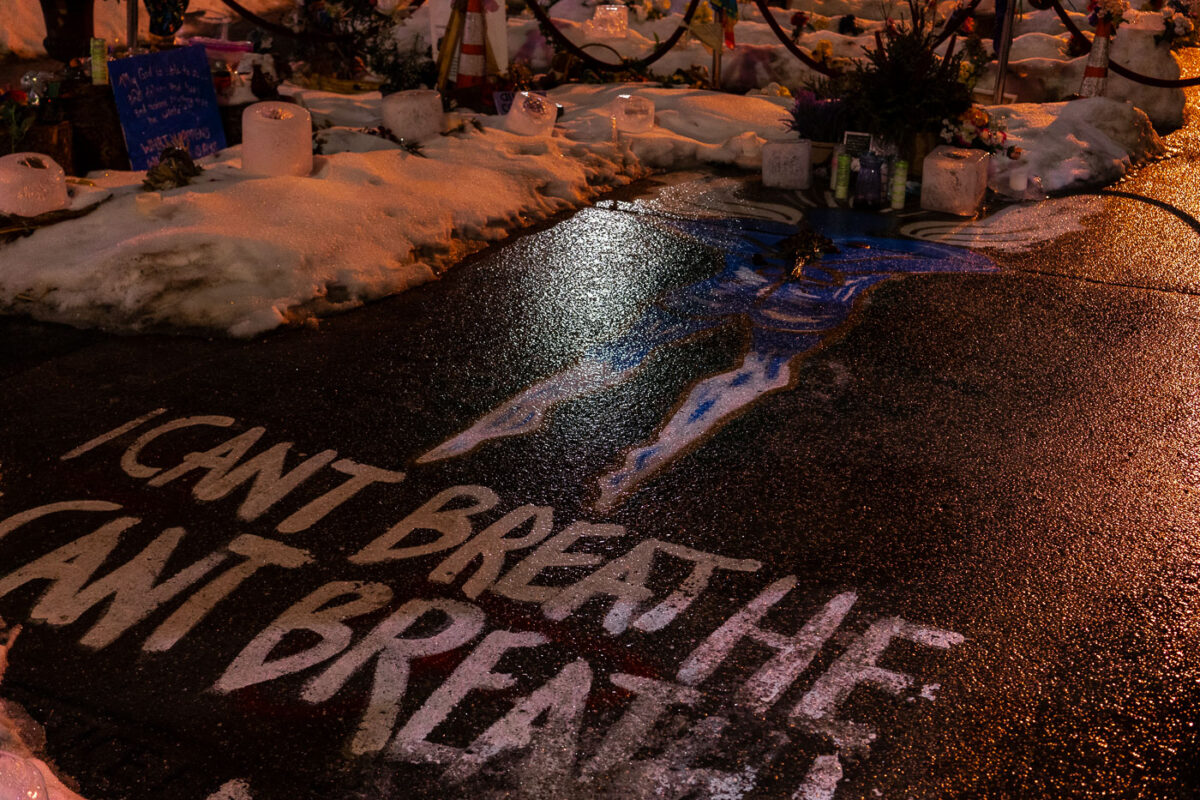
[904,89]
[821,120]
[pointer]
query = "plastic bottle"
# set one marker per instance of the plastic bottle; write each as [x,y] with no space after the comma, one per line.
[842,190]
[99,62]
[899,183]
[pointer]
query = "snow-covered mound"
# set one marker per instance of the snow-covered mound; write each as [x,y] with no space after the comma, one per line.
[1076,144]
[1040,71]
[243,254]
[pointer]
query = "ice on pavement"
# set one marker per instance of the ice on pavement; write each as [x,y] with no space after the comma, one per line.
[1012,229]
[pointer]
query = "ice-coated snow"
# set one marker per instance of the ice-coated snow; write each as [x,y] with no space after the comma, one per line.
[1073,145]
[1040,71]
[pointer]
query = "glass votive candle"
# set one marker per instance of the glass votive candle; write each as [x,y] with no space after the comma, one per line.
[611,20]
[634,113]
[531,115]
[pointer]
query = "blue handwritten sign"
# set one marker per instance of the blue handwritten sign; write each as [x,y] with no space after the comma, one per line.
[166,100]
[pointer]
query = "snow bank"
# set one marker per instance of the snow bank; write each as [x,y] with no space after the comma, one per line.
[242,254]
[1040,69]
[1041,72]
[1076,144]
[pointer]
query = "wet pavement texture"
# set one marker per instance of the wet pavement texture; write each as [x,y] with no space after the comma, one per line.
[922,523]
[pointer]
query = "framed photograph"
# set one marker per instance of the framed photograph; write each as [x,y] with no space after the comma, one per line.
[857,143]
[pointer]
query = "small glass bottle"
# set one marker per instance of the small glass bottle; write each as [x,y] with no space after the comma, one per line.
[868,186]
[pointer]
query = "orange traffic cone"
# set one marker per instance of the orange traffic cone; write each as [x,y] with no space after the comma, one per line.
[1095,74]
[470,83]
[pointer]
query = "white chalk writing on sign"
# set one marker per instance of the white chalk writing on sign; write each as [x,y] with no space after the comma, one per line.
[166,99]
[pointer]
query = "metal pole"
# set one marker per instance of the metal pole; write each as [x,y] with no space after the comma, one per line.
[450,42]
[131,24]
[1005,46]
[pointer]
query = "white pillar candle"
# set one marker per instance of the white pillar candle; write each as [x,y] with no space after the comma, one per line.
[277,139]
[531,115]
[31,184]
[634,113]
[1018,180]
[413,115]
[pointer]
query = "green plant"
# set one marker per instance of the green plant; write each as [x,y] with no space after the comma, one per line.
[350,37]
[904,87]
[16,117]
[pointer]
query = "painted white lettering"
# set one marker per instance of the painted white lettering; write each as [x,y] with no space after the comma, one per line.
[821,781]
[116,432]
[491,545]
[857,665]
[624,579]
[129,459]
[517,583]
[361,476]
[628,734]
[29,515]
[258,552]
[454,525]
[314,614]
[549,767]
[271,482]
[133,587]
[215,461]
[475,672]
[794,653]
[394,654]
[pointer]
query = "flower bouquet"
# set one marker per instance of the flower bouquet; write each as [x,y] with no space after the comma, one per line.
[976,129]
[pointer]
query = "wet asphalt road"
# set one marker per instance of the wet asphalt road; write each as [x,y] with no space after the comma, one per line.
[973,494]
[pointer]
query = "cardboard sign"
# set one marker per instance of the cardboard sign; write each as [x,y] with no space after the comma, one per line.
[166,100]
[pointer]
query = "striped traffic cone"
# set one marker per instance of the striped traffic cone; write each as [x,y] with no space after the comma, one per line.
[470,84]
[1095,74]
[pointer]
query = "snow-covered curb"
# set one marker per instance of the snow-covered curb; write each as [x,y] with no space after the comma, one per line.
[241,255]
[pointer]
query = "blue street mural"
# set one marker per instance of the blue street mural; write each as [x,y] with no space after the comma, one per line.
[789,317]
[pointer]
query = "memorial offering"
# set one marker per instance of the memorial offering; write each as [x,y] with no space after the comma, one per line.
[31,184]
[277,139]
[166,99]
[413,115]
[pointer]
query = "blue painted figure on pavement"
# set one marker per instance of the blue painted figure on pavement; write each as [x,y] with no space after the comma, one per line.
[789,316]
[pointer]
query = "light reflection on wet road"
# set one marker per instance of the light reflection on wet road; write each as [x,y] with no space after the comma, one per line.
[937,536]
